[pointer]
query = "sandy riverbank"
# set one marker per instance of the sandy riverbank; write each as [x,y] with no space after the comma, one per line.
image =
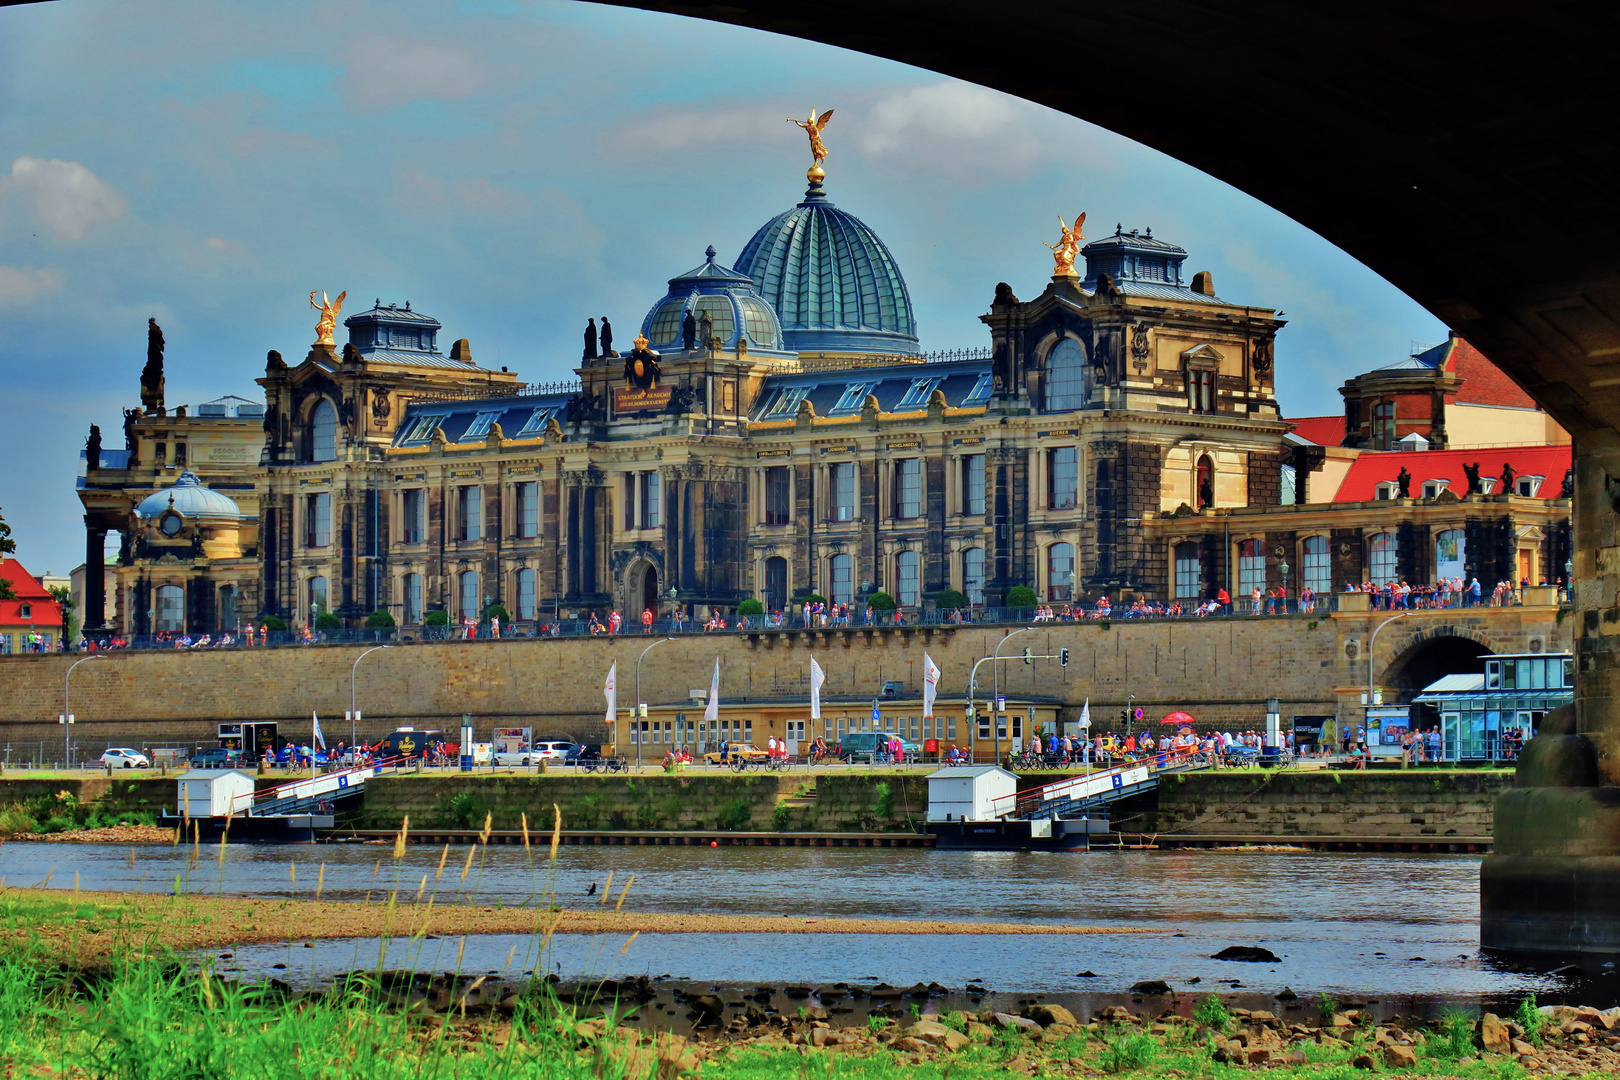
[79,926]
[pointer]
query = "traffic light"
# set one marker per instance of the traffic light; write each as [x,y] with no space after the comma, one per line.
[1124,716]
[1063,657]
[1028,654]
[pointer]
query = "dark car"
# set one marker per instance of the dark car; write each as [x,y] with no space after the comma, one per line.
[581,753]
[216,757]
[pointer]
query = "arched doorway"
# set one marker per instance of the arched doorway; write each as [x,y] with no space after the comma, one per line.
[649,591]
[775,583]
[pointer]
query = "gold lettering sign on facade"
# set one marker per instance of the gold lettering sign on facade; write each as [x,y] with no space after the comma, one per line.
[631,399]
[772,453]
[905,445]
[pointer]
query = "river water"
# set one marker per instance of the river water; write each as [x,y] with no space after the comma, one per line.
[1354,924]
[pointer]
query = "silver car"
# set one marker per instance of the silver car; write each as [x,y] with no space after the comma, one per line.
[122,757]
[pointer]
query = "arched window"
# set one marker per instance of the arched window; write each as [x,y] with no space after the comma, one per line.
[973,574]
[1449,552]
[1205,490]
[1381,558]
[1189,571]
[1317,573]
[1060,572]
[1065,376]
[905,574]
[171,608]
[410,587]
[843,568]
[1251,567]
[525,594]
[317,597]
[469,595]
[323,432]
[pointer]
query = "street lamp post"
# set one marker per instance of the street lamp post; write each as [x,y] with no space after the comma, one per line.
[67,711]
[1371,641]
[995,677]
[635,714]
[354,711]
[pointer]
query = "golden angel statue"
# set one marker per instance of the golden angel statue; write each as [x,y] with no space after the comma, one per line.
[329,310]
[1068,245]
[813,127]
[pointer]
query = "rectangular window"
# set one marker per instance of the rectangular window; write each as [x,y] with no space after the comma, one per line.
[528,510]
[786,402]
[412,599]
[908,488]
[535,425]
[843,491]
[470,513]
[179,455]
[905,565]
[973,575]
[973,484]
[1251,567]
[1200,390]
[843,569]
[1317,574]
[1383,432]
[1062,478]
[853,397]
[981,391]
[650,500]
[1189,572]
[422,428]
[413,511]
[318,519]
[526,599]
[778,495]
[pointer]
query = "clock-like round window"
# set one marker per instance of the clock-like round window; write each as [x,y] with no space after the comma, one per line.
[170,524]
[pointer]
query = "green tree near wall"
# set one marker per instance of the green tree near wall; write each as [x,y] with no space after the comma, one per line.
[64,600]
[7,546]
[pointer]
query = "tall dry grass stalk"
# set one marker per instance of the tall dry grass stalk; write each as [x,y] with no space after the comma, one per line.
[489,819]
[556,830]
[292,875]
[607,889]
[443,855]
[399,841]
[471,851]
[525,821]
[421,888]
[627,942]
[320,880]
[620,904]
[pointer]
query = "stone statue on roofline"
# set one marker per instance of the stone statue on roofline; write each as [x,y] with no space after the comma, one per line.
[689,332]
[1403,483]
[1508,475]
[152,373]
[1472,472]
[590,340]
[606,334]
[92,449]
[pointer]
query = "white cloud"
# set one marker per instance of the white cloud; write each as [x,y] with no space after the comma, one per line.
[68,198]
[386,72]
[955,127]
[22,285]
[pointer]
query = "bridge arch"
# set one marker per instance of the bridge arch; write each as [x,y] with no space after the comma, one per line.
[1431,653]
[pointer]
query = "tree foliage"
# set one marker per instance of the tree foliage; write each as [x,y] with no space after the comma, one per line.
[7,546]
[1021,596]
[881,601]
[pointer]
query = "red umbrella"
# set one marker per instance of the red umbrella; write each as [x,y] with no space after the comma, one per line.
[1178,718]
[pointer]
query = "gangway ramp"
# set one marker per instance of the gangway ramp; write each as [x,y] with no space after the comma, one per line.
[306,796]
[1081,795]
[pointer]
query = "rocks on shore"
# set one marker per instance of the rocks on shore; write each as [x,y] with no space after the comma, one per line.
[1248,954]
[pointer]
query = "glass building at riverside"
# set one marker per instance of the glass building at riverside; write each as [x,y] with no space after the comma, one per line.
[1486,717]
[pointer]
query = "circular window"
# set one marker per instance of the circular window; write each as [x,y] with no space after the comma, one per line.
[170,524]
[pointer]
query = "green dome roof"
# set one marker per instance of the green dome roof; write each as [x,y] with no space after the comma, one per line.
[833,283]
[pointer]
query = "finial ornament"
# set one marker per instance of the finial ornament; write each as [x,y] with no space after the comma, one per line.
[813,127]
[1068,245]
[329,309]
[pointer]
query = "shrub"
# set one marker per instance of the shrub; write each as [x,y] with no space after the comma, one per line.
[1532,1019]
[1211,1012]
[379,620]
[436,618]
[884,808]
[750,606]
[273,622]
[733,816]
[498,611]
[328,621]
[814,598]
[1127,1052]
[1456,1036]
[1021,596]
[1325,1008]
[881,601]
[781,816]
[949,599]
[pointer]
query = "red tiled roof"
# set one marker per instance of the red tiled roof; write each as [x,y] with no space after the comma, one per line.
[1321,430]
[1373,467]
[46,615]
[1483,382]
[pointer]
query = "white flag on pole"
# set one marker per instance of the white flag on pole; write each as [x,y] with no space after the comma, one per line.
[817,677]
[320,740]
[1085,714]
[610,690]
[713,710]
[930,684]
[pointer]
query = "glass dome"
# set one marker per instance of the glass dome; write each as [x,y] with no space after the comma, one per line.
[833,283]
[729,299]
[188,498]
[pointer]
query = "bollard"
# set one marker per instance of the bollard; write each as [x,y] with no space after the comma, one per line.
[542,767]
[109,767]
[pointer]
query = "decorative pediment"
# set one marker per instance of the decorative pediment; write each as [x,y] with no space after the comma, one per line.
[1204,357]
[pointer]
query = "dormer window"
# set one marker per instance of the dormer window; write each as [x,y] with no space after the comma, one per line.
[422,429]
[481,424]
[1529,485]
[535,426]
[1431,488]
[26,611]
[1487,484]
[787,401]
[853,397]
[917,396]
[981,391]
[1388,489]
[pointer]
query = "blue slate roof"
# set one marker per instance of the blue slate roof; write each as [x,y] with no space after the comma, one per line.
[189,498]
[1140,265]
[899,388]
[834,284]
[470,421]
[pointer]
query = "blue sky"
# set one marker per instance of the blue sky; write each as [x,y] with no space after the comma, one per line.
[513,168]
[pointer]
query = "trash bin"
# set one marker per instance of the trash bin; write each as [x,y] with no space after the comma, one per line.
[466,763]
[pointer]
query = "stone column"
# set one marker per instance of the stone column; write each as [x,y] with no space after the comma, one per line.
[95,576]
